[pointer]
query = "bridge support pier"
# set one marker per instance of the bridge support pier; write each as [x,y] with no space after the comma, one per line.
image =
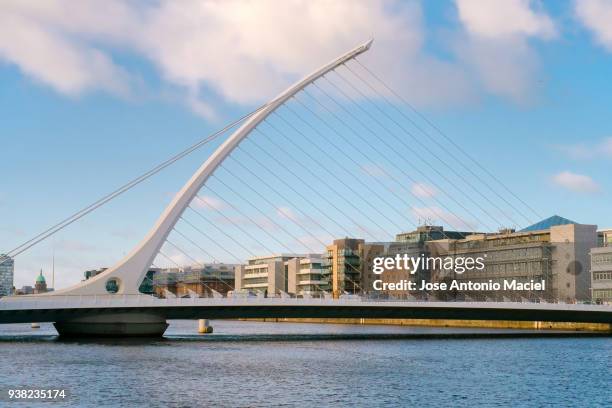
[113,325]
[204,326]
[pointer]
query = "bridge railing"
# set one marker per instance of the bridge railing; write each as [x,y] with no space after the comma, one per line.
[144,300]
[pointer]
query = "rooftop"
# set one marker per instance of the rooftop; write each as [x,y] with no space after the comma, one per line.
[547,223]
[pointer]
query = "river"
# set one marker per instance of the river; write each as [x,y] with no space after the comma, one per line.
[284,364]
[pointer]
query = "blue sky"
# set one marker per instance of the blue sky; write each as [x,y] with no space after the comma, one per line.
[92,100]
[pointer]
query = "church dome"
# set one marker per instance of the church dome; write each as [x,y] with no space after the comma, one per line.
[40,278]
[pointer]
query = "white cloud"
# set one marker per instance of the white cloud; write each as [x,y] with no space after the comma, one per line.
[209,202]
[287,213]
[508,18]
[575,182]
[374,170]
[596,15]
[423,190]
[244,52]
[602,148]
[496,44]
[46,55]
[239,51]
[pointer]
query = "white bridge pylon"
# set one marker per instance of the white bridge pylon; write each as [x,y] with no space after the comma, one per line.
[131,270]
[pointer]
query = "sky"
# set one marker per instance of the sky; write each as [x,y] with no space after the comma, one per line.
[93,96]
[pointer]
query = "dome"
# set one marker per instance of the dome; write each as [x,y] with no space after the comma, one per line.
[40,278]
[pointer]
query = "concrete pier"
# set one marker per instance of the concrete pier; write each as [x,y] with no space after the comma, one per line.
[113,325]
[204,326]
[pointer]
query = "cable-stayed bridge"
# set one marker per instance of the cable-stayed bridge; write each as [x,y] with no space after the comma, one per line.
[321,160]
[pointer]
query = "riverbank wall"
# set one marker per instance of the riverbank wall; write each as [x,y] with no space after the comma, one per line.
[488,324]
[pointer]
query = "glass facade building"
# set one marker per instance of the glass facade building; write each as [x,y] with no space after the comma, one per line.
[7,266]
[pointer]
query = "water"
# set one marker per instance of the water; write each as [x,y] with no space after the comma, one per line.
[283,364]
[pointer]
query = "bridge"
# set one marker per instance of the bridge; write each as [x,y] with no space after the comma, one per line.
[112,314]
[91,308]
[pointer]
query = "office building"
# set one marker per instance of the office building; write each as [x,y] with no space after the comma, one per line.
[555,250]
[93,272]
[601,268]
[604,237]
[205,280]
[412,243]
[7,266]
[266,274]
[343,266]
[25,290]
[426,233]
[368,252]
[305,276]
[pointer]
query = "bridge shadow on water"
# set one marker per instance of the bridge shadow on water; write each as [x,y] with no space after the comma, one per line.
[284,338]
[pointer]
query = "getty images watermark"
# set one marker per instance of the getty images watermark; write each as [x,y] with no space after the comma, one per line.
[443,266]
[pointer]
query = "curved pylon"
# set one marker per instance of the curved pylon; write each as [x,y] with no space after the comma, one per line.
[131,270]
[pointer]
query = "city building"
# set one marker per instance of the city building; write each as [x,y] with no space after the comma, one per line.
[555,250]
[7,266]
[414,244]
[93,272]
[604,237]
[305,276]
[25,290]
[146,286]
[41,284]
[343,266]
[368,252]
[426,233]
[266,274]
[204,280]
[601,268]
[164,282]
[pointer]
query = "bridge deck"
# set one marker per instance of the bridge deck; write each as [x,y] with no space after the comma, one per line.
[25,309]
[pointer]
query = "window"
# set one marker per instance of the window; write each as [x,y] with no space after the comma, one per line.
[112,285]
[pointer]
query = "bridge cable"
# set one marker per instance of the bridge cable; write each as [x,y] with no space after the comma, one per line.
[382,155]
[103,200]
[296,192]
[351,159]
[237,225]
[179,267]
[306,230]
[262,227]
[210,239]
[424,146]
[438,130]
[388,131]
[323,181]
[200,264]
[348,172]
[437,143]
[272,220]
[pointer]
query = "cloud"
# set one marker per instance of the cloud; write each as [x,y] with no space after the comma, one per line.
[575,182]
[508,18]
[578,151]
[213,53]
[209,202]
[46,55]
[374,170]
[436,215]
[496,44]
[596,16]
[287,213]
[423,190]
